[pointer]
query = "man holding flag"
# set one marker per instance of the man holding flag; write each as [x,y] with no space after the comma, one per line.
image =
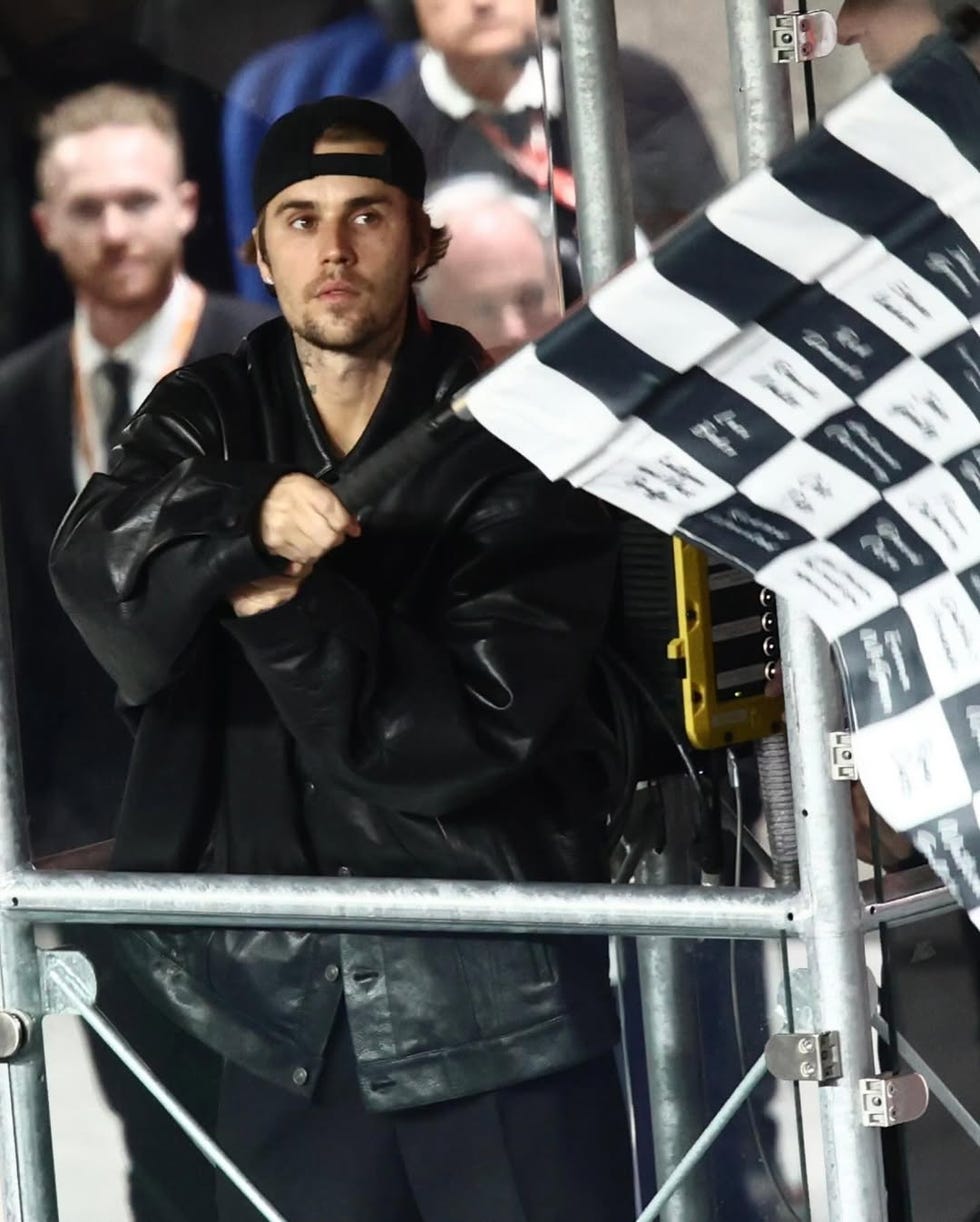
[402,697]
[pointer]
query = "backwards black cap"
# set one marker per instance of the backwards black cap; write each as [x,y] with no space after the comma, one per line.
[286,155]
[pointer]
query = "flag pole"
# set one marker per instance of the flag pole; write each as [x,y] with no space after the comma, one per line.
[833,937]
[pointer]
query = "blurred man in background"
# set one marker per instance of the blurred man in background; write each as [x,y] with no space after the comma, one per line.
[115,208]
[483,99]
[888,30]
[499,278]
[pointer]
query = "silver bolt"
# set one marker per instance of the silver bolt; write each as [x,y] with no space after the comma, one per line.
[13,1033]
[808,1069]
[805,1045]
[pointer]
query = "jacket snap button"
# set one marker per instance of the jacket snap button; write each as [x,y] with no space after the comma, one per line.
[310,787]
[344,872]
[299,1076]
[332,972]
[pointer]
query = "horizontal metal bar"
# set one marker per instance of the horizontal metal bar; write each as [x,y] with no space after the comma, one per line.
[424,904]
[907,895]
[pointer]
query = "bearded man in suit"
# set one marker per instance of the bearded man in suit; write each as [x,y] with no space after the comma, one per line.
[114,207]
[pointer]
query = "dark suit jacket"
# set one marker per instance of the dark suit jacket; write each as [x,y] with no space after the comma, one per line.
[75,748]
[672,163]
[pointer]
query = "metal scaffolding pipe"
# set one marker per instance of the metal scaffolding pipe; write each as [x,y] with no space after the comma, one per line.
[597,136]
[761,89]
[908,895]
[668,971]
[834,935]
[27,1189]
[704,1143]
[426,905]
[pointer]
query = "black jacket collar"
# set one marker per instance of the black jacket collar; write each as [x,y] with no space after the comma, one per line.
[433,363]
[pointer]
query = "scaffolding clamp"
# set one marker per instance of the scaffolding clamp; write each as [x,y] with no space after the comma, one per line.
[804,1056]
[67,978]
[842,765]
[892,1100]
[800,37]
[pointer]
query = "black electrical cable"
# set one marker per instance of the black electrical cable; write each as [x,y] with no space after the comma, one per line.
[634,856]
[808,81]
[626,733]
[622,667]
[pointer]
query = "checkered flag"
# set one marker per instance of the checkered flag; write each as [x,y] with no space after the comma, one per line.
[793,381]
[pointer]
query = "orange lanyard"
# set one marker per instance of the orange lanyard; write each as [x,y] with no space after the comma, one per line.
[85,423]
[532,159]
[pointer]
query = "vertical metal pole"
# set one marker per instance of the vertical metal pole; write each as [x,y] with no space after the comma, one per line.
[671,1021]
[763,103]
[833,938]
[597,132]
[834,944]
[604,210]
[833,941]
[27,1190]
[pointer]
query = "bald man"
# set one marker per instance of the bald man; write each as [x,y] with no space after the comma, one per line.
[500,278]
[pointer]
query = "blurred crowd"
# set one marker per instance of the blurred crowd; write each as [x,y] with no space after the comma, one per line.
[477,81]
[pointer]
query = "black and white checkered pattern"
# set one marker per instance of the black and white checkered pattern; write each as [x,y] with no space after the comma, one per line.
[793,381]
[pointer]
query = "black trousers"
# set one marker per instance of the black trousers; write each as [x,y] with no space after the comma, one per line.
[555,1149]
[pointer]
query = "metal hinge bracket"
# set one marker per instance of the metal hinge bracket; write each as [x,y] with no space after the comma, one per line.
[799,37]
[804,1056]
[893,1100]
[65,977]
[842,765]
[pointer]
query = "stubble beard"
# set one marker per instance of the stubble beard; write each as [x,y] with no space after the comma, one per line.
[153,282]
[360,336]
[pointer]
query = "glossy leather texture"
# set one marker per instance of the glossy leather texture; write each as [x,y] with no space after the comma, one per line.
[417,710]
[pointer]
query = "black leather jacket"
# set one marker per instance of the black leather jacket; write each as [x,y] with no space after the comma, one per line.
[427,681]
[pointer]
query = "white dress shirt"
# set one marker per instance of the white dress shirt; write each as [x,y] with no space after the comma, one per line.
[537,88]
[149,353]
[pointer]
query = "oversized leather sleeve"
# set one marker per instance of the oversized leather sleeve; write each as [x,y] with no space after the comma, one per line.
[149,549]
[425,719]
